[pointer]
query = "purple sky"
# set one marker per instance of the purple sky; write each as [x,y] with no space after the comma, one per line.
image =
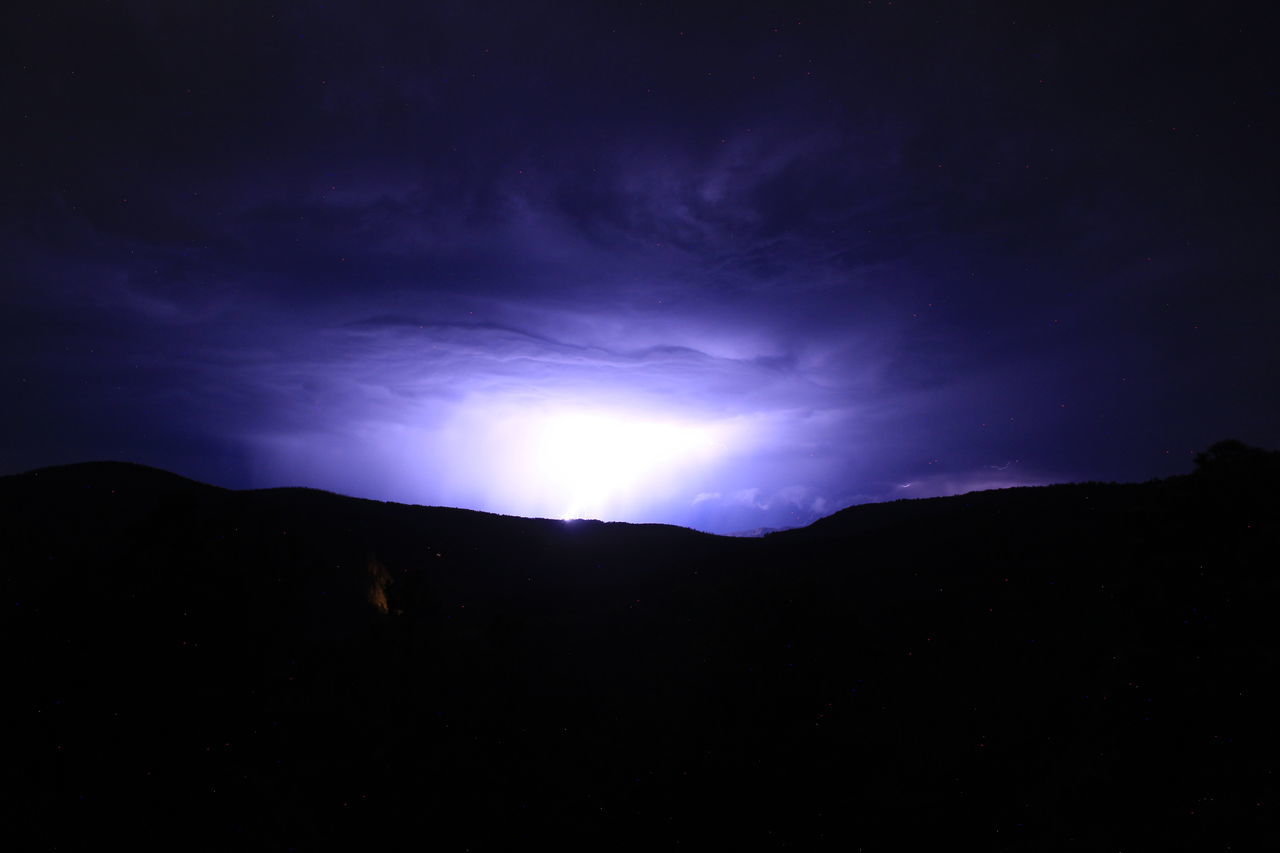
[721,265]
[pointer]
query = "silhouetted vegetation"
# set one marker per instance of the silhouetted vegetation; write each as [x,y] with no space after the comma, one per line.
[1083,667]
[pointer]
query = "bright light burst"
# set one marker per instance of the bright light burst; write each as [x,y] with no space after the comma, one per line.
[594,460]
[567,461]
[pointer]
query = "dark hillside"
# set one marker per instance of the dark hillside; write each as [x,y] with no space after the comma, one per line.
[1082,667]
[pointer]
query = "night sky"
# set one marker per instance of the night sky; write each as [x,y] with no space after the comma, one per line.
[721,265]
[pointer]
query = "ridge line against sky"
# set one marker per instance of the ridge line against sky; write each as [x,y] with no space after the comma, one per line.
[727,266]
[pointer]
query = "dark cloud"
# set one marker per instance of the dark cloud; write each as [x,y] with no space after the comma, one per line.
[815,252]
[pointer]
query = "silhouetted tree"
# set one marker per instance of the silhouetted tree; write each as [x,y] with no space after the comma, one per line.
[1231,459]
[1240,475]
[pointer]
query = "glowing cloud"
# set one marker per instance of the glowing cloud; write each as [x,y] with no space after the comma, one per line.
[575,461]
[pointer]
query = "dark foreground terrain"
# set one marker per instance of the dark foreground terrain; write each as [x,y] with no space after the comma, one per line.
[1081,667]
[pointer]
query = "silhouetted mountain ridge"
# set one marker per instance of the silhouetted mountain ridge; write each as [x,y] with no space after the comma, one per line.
[1068,667]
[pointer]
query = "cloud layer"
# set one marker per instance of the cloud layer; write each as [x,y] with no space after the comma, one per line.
[844,249]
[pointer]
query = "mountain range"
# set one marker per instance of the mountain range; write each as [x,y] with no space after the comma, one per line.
[1076,667]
